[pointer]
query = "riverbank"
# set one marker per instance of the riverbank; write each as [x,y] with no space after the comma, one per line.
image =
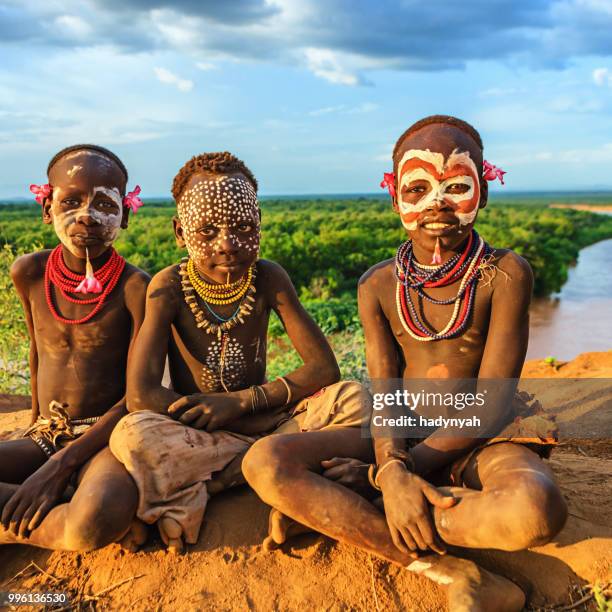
[228,570]
[599,208]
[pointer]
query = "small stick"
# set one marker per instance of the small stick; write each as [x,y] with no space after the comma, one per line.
[89,598]
[118,584]
[574,606]
[25,569]
[42,571]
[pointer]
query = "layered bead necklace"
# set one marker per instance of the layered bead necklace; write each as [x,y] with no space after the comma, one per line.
[242,290]
[413,275]
[66,281]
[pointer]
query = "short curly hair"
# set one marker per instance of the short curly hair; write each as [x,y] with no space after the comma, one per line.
[88,147]
[217,163]
[464,126]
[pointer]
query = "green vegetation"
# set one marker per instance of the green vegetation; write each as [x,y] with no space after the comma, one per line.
[324,244]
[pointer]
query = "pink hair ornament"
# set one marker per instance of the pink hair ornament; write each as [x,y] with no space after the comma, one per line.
[132,201]
[42,192]
[389,182]
[491,172]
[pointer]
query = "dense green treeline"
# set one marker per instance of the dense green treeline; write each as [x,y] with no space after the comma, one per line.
[326,245]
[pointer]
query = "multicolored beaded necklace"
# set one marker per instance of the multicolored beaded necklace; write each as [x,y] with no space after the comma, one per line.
[413,275]
[66,281]
[222,294]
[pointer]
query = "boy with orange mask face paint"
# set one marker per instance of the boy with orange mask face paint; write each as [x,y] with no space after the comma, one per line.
[448,306]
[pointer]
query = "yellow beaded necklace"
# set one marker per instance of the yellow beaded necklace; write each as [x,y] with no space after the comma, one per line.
[219,294]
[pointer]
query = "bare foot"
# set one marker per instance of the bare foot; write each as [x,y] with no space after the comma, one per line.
[469,587]
[6,492]
[135,537]
[230,476]
[172,535]
[280,529]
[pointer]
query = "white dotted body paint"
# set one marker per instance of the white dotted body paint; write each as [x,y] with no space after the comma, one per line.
[224,203]
[431,167]
[234,370]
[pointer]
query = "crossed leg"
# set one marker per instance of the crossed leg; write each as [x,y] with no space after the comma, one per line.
[100,511]
[514,504]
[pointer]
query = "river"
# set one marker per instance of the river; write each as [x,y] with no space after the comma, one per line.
[578,319]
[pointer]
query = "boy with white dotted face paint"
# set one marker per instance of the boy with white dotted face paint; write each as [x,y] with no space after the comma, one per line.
[209,315]
[219,224]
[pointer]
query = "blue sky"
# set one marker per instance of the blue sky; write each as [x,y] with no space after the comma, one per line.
[312,94]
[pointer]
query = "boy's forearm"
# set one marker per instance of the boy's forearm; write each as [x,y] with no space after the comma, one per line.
[157,399]
[303,382]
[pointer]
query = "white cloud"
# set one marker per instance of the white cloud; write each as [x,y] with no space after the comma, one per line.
[326,110]
[602,76]
[165,76]
[205,66]
[72,26]
[324,63]
[366,107]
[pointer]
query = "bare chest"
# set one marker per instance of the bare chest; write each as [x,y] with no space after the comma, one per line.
[108,331]
[218,361]
[455,357]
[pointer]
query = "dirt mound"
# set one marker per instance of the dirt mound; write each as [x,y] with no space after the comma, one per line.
[227,568]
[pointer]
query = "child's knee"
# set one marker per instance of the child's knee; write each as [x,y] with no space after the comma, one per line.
[266,462]
[541,510]
[97,521]
[133,432]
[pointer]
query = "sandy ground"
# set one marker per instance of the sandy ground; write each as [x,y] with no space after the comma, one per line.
[227,569]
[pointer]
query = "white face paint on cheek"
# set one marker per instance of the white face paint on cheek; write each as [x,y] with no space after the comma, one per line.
[110,222]
[62,221]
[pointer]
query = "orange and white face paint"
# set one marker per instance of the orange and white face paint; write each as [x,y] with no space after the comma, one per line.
[455,181]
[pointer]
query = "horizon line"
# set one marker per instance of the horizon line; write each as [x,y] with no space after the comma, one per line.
[367,194]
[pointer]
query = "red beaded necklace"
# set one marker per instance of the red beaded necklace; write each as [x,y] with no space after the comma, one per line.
[58,274]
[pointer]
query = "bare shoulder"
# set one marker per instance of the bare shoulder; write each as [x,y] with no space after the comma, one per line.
[272,274]
[513,264]
[516,271]
[166,282]
[135,287]
[30,266]
[136,278]
[378,277]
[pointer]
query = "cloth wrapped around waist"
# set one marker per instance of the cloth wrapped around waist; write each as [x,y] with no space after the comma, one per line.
[53,433]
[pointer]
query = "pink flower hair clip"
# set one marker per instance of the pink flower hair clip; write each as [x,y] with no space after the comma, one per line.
[491,172]
[389,182]
[132,201]
[42,192]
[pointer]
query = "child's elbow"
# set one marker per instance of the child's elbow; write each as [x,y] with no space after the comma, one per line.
[331,374]
[136,401]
